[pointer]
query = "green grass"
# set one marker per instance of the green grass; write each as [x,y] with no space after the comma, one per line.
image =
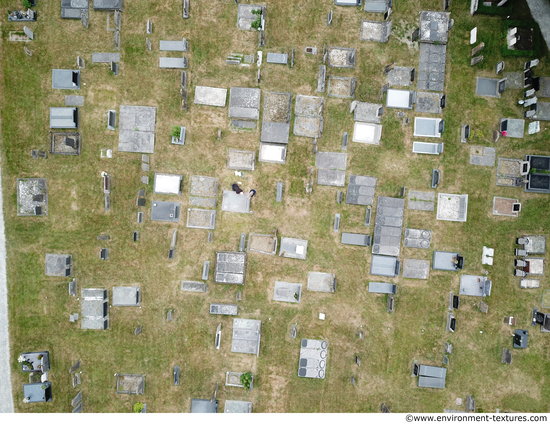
[39,306]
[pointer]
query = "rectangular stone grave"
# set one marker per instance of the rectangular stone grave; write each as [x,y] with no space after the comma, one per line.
[421,201]
[230,267]
[330,160]
[400,76]
[368,112]
[425,148]
[483,156]
[242,243]
[428,102]
[74,100]
[416,268]
[321,79]
[431,67]
[279,58]
[313,358]
[74,367]
[246,336]
[105,57]
[111,120]
[375,31]
[361,190]
[386,288]
[193,286]
[279,196]
[262,243]
[287,292]
[331,178]
[389,221]
[203,186]
[140,217]
[356,239]
[239,159]
[210,96]
[321,282]
[367,133]
[205,270]
[173,46]
[341,87]
[417,238]
[452,207]
[223,309]
[233,202]
[202,202]
[137,129]
[201,218]
[293,248]
[336,222]
[175,63]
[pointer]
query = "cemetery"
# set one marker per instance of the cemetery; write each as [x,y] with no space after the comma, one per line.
[283,205]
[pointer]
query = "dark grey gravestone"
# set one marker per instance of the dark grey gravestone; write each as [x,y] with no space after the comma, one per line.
[80,62]
[279,197]
[76,380]
[428,102]
[140,217]
[140,201]
[135,236]
[357,360]
[205,270]
[242,242]
[339,196]
[368,216]
[114,68]
[74,367]
[356,239]
[345,141]
[210,236]
[321,79]
[337,222]
[77,399]
[137,331]
[500,67]
[193,286]
[331,178]
[415,35]
[353,381]
[470,404]
[72,287]
[170,315]
[391,303]
[506,356]
[476,60]
[239,296]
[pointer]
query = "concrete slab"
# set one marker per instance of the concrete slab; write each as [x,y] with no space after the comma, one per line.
[331,160]
[287,292]
[428,102]
[201,218]
[240,159]
[483,156]
[416,238]
[375,31]
[321,282]
[244,103]
[368,112]
[367,133]
[293,248]
[416,268]
[452,207]
[274,153]
[233,202]
[331,178]
[210,96]
[137,129]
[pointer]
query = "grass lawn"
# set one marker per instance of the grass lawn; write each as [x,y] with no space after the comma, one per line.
[39,306]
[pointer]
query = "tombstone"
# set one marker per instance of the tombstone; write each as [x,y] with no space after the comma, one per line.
[111,119]
[500,67]
[293,331]
[205,270]
[387,14]
[531,64]
[501,85]
[470,404]
[210,236]
[353,381]
[325,57]
[360,335]
[72,288]
[140,202]
[135,236]
[258,76]
[171,253]
[73,317]
[145,179]
[388,68]
[292,59]
[448,348]
[339,196]
[137,331]
[415,35]
[383,90]
[148,43]
[279,197]
[483,307]
[357,360]
[368,216]
[345,141]
[443,101]
[117,40]
[329,18]
[446,4]
[391,303]
[478,48]
[384,409]
[261,39]
[145,167]
[242,242]
[27,51]
[84,20]
[476,60]
[239,296]
[114,68]
[445,360]
[104,254]
[140,217]
[74,367]
[473,35]
[77,399]
[28,32]
[506,356]
[149,27]
[76,380]
[218,337]
[170,315]
[185,9]
[337,222]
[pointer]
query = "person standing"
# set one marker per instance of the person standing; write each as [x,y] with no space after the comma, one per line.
[251,193]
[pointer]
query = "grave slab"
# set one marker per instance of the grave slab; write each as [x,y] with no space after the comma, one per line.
[173,46]
[313,358]
[287,292]
[165,211]
[201,218]
[487,87]
[58,264]
[515,127]
[361,190]
[505,206]
[210,96]
[233,202]
[387,266]
[416,268]
[244,103]
[321,282]
[223,309]
[202,202]
[174,63]
[419,239]
[246,336]
[331,160]
[230,267]
[262,243]
[356,239]
[203,186]
[452,207]
[543,112]
[245,17]
[240,159]
[167,184]
[400,99]
[331,178]
[514,80]
[193,286]
[341,57]
[341,87]
[368,112]
[137,129]
[274,153]
[375,31]
[400,76]
[74,100]
[307,126]
[126,296]
[105,57]
[483,156]
[293,248]
[431,67]
[367,133]
[428,102]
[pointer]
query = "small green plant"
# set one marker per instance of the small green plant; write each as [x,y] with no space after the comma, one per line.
[257,24]
[176,131]
[40,357]
[138,407]
[27,4]
[28,365]
[43,387]
[246,380]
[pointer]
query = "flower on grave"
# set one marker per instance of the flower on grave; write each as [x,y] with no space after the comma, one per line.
[21,358]
[26,400]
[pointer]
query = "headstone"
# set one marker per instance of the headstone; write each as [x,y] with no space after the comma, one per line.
[360,335]
[205,270]
[292,59]
[261,39]
[339,196]
[470,404]
[148,43]
[28,32]
[345,141]
[114,68]
[415,35]
[391,303]
[239,296]
[145,167]
[149,27]
[534,127]
[368,216]
[135,236]
[185,9]
[483,307]
[218,337]
[506,356]
[383,90]
[531,64]
[137,331]
[476,60]
[170,315]
[117,40]
[76,380]
[279,197]
[473,35]
[478,48]
[500,67]
[210,236]
[388,68]
[145,179]
[77,399]
[27,51]
[337,222]
[74,367]
[242,242]
[72,288]
[140,217]
[293,331]
[258,76]
[329,18]
[384,409]
[446,4]
[353,381]
[448,348]
[357,360]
